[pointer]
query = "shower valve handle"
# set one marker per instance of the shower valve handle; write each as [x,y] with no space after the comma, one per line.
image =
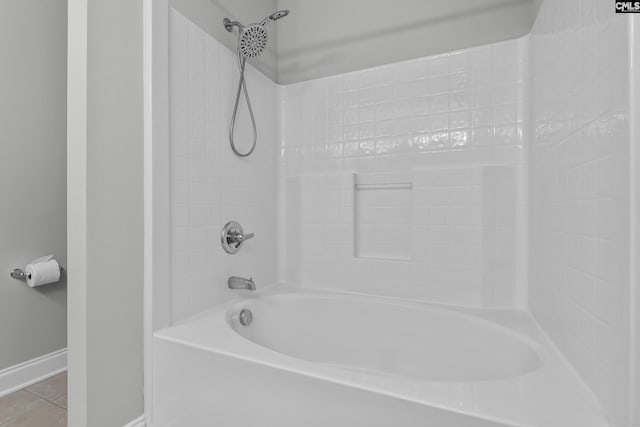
[233,237]
[238,238]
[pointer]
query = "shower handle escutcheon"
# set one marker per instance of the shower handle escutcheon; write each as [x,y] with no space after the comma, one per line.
[233,237]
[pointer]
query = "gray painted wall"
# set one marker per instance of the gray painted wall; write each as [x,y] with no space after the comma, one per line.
[33,46]
[321,38]
[114,212]
[208,15]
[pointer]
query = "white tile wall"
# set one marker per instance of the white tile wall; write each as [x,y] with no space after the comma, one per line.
[457,245]
[465,233]
[456,112]
[211,186]
[387,118]
[579,284]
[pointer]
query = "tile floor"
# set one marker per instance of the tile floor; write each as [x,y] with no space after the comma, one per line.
[43,404]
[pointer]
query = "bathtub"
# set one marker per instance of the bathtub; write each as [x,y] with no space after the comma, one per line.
[317,359]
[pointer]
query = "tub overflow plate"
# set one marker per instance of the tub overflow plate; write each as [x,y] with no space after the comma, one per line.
[246,317]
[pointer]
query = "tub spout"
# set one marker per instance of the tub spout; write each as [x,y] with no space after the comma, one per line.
[241,283]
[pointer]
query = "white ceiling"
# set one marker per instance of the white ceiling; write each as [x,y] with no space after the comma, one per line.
[325,37]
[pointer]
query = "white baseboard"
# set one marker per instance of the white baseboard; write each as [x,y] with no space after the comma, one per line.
[138,422]
[32,371]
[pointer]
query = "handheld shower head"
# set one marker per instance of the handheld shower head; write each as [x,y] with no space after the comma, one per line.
[274,16]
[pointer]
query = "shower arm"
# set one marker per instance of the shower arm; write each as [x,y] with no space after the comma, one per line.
[229,24]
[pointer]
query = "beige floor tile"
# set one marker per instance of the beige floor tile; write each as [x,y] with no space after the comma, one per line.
[61,401]
[52,388]
[18,403]
[45,415]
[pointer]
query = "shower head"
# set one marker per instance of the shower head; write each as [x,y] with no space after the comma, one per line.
[274,16]
[253,38]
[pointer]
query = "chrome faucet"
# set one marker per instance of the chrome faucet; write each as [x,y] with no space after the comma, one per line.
[241,283]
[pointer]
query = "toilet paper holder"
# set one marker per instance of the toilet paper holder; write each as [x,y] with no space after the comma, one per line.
[20,274]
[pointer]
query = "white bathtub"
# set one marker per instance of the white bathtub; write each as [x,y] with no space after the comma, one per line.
[322,359]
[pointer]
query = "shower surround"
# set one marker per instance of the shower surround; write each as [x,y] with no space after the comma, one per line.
[409,180]
[421,180]
[450,128]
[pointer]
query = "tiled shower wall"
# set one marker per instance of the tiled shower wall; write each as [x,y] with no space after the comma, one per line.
[210,185]
[579,283]
[420,151]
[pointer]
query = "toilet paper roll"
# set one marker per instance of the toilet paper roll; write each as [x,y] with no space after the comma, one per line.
[43,272]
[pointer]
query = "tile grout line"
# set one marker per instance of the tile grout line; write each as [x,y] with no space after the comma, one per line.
[56,404]
[38,395]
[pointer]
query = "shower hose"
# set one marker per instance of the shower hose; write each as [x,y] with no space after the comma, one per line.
[242,86]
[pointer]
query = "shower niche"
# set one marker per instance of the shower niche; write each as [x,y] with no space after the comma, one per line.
[383,216]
